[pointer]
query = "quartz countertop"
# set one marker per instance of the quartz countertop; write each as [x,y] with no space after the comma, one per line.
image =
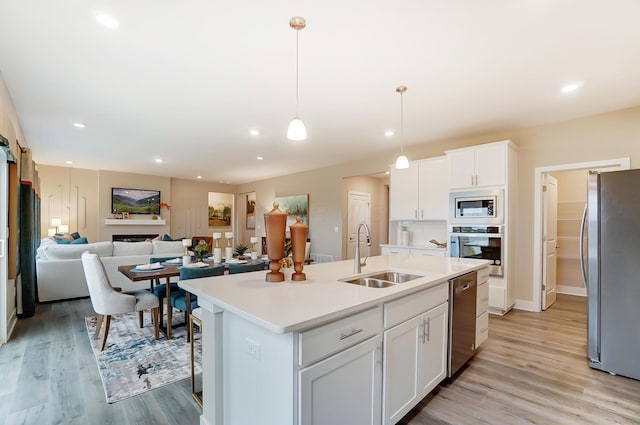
[294,306]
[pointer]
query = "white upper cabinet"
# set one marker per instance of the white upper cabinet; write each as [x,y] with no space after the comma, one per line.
[478,166]
[420,191]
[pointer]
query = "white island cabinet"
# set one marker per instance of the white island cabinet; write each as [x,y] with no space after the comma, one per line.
[312,352]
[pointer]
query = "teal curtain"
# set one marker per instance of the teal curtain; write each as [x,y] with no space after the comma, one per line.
[27,238]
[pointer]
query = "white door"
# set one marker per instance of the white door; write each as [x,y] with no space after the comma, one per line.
[358,211]
[549,240]
[7,302]
[343,389]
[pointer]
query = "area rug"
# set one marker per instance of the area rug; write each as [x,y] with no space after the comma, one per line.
[133,362]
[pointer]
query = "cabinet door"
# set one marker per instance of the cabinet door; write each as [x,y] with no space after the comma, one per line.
[387,250]
[415,361]
[343,389]
[490,165]
[434,189]
[401,369]
[461,169]
[433,352]
[403,202]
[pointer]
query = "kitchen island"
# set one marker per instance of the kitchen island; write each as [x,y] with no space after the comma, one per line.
[312,351]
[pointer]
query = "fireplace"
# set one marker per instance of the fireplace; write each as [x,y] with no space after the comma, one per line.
[133,238]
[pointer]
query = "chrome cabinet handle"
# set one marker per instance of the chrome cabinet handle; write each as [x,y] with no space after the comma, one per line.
[423,325]
[428,328]
[352,333]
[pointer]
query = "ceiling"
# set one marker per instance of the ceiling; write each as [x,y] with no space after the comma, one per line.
[187,81]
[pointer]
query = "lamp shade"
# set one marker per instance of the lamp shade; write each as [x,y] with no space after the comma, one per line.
[253,239]
[228,235]
[402,162]
[186,242]
[217,235]
[56,222]
[297,130]
[63,228]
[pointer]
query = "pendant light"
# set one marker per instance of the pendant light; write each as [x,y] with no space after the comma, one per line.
[297,130]
[402,161]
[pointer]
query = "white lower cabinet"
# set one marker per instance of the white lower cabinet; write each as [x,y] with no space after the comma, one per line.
[345,388]
[415,360]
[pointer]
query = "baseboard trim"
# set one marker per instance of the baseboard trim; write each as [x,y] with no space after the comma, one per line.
[526,305]
[572,290]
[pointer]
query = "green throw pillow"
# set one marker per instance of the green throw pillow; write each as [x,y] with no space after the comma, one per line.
[75,235]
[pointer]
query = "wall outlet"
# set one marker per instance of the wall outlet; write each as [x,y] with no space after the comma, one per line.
[253,349]
[335,229]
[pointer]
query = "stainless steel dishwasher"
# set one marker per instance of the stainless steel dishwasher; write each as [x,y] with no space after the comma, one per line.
[462,321]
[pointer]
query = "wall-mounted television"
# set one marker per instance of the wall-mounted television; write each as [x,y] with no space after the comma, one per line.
[135,201]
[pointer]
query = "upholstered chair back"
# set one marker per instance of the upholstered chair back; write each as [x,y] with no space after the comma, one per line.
[195,272]
[244,268]
[104,298]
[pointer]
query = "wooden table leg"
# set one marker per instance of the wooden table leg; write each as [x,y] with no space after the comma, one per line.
[168,308]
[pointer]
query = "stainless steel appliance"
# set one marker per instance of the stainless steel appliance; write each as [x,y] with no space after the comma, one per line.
[613,281]
[477,207]
[483,242]
[462,320]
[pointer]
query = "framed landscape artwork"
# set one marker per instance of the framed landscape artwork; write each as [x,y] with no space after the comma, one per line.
[297,205]
[220,209]
[251,210]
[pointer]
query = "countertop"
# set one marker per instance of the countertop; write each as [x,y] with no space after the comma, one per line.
[423,246]
[294,306]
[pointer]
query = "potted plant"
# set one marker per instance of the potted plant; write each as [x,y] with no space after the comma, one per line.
[240,250]
[201,249]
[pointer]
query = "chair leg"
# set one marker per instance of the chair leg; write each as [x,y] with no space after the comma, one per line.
[107,322]
[98,326]
[140,319]
[161,312]
[156,327]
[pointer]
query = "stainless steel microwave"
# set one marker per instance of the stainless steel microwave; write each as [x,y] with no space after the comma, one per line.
[477,207]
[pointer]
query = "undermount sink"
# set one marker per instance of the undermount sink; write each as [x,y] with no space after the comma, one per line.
[382,279]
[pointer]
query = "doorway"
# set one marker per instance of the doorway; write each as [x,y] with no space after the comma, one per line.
[539,250]
[358,211]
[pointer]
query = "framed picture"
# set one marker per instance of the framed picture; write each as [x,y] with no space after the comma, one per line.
[297,205]
[220,209]
[251,210]
[125,215]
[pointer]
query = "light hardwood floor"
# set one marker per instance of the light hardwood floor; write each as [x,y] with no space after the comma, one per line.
[531,370]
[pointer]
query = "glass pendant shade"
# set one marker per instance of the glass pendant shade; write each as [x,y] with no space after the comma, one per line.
[402,162]
[297,130]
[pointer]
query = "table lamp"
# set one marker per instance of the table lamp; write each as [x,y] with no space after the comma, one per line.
[55,222]
[228,250]
[186,258]
[217,251]
[254,252]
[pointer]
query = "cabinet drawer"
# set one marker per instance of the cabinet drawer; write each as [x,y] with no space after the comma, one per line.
[483,275]
[328,339]
[482,298]
[405,308]
[482,328]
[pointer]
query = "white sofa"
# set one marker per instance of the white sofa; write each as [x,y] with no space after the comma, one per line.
[59,268]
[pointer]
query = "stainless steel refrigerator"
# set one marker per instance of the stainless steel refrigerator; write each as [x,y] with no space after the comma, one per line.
[612,271]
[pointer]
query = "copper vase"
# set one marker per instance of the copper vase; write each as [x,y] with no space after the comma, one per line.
[298,247]
[275,223]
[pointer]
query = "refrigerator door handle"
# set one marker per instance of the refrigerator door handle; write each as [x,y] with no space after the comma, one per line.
[583,222]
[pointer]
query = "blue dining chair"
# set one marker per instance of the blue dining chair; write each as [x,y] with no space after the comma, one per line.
[160,289]
[245,268]
[185,301]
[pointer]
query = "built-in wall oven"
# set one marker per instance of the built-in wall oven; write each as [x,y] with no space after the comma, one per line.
[477,207]
[478,241]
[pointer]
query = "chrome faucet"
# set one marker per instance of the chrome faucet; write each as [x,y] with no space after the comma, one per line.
[357,265]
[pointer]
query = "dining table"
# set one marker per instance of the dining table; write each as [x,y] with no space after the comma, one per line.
[166,272]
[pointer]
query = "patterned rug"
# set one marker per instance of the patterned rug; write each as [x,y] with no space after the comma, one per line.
[133,362]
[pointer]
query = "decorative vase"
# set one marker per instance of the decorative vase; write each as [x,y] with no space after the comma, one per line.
[298,245]
[275,223]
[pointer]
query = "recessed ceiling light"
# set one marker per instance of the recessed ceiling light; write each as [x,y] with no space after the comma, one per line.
[568,88]
[158,160]
[199,177]
[254,132]
[259,158]
[107,20]
[78,125]
[387,172]
[389,133]
[68,162]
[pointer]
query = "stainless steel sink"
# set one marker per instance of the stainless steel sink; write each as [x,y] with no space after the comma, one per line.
[381,279]
[370,282]
[395,277]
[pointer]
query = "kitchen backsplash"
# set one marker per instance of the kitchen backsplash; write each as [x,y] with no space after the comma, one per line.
[420,232]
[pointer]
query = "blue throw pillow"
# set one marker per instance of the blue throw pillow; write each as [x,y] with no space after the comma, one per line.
[75,235]
[166,238]
[63,241]
[82,240]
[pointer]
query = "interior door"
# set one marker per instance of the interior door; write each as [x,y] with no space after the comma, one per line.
[358,211]
[550,240]
[7,301]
